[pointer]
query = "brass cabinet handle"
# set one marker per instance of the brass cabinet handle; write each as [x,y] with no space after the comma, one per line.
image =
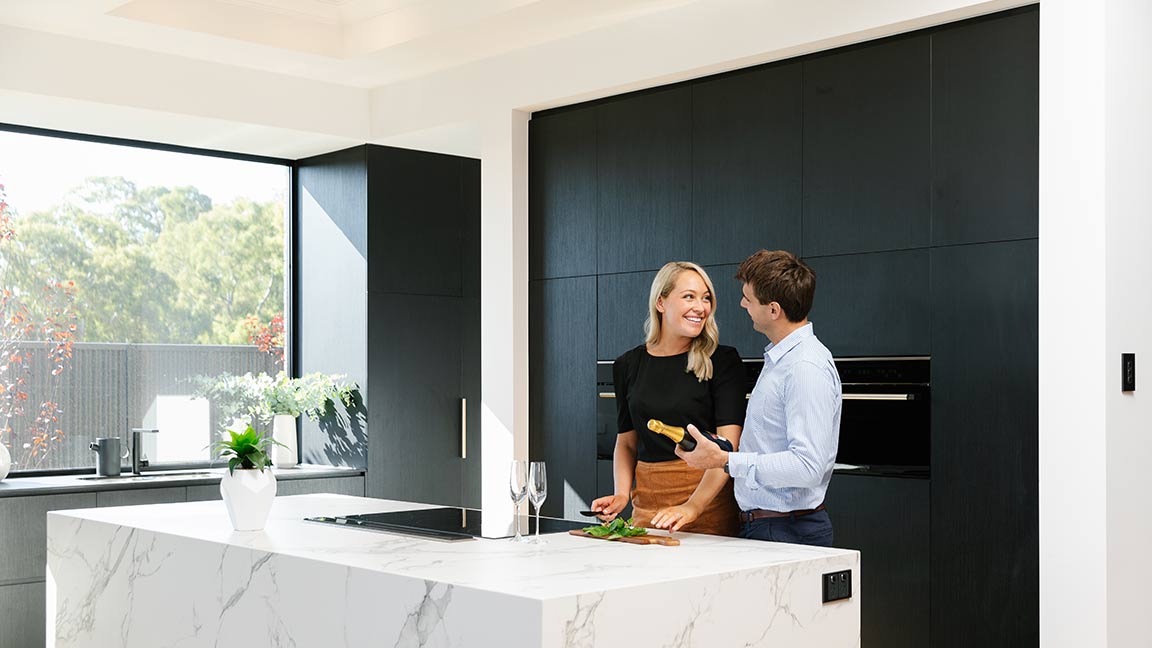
[463,428]
[877,397]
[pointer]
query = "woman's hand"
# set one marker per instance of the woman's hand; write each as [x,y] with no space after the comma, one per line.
[609,506]
[675,517]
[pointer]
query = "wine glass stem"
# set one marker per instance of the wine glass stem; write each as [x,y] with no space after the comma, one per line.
[537,521]
[516,517]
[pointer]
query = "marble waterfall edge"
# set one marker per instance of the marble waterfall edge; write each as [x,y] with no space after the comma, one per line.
[177,575]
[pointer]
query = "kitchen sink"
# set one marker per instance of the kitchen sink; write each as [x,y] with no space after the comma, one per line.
[151,476]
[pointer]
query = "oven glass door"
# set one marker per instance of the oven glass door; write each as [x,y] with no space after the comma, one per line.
[885,426]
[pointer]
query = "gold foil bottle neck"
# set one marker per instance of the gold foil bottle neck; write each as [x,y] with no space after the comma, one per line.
[670,431]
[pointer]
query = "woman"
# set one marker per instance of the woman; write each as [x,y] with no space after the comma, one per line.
[680,375]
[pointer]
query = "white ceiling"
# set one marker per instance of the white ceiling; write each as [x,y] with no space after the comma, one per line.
[358,43]
[294,78]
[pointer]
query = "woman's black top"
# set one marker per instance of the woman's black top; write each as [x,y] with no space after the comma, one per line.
[660,387]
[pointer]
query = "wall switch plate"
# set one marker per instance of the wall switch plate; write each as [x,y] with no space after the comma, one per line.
[1128,372]
[837,585]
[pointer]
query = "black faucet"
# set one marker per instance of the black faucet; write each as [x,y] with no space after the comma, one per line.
[139,459]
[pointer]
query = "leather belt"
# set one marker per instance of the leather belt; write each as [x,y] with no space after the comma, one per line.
[759,514]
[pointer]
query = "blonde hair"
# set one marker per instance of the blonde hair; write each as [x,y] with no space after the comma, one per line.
[702,346]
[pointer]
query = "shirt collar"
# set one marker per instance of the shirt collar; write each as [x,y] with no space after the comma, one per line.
[773,352]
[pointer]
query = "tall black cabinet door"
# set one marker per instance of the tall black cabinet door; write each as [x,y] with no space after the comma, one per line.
[872,304]
[867,148]
[414,359]
[621,308]
[733,321]
[470,328]
[985,139]
[643,175]
[415,222]
[562,194]
[985,529]
[886,519]
[562,391]
[746,131]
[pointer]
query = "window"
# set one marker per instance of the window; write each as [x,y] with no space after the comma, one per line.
[133,283]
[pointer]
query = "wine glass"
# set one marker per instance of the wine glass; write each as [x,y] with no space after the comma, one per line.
[537,491]
[518,487]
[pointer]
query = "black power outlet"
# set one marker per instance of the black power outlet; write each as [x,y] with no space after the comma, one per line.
[1128,372]
[837,585]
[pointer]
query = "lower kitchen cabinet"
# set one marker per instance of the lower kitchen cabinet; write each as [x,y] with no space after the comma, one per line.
[24,533]
[336,485]
[139,496]
[887,520]
[22,614]
[353,485]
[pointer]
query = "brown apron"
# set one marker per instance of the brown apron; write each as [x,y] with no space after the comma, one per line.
[670,483]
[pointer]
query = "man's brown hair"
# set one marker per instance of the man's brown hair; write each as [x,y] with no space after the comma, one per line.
[780,277]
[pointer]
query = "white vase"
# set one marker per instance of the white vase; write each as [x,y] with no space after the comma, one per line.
[284,431]
[248,495]
[5,461]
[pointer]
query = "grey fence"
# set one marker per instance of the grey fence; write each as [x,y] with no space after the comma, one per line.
[108,389]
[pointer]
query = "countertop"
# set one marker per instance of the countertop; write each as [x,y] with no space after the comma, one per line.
[131,575]
[565,566]
[59,484]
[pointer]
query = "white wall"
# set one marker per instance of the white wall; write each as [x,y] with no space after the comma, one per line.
[1073,335]
[1095,237]
[1127,251]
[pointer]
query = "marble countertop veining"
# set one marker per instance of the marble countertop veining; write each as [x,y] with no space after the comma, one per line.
[565,566]
[61,484]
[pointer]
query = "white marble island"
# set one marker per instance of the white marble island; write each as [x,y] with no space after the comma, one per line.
[177,575]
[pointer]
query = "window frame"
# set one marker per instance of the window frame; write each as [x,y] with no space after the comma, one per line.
[291,253]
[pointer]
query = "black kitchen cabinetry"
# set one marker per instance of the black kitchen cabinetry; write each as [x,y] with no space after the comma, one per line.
[562,412]
[731,318]
[985,143]
[918,212]
[621,308]
[872,304]
[562,195]
[867,141]
[746,147]
[423,327]
[416,223]
[985,430]
[415,450]
[643,179]
[403,318]
[886,519]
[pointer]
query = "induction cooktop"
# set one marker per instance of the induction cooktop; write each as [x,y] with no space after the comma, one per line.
[448,523]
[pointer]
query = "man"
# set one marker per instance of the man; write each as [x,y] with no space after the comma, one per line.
[792,427]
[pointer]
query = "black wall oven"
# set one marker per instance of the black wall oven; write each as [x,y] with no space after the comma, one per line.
[886,416]
[884,422]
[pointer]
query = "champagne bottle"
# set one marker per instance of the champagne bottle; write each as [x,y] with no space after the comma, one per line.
[678,435]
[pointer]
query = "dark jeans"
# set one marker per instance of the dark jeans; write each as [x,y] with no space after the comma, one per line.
[812,529]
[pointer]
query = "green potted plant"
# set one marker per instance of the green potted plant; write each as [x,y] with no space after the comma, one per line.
[238,399]
[247,488]
[284,399]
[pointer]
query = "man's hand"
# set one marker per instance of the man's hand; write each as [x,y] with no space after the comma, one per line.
[706,455]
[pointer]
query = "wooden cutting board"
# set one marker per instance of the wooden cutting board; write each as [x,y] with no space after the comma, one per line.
[644,539]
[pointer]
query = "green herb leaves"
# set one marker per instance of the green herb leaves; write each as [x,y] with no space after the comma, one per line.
[618,528]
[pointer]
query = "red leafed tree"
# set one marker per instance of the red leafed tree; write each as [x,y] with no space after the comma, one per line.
[269,338]
[37,333]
